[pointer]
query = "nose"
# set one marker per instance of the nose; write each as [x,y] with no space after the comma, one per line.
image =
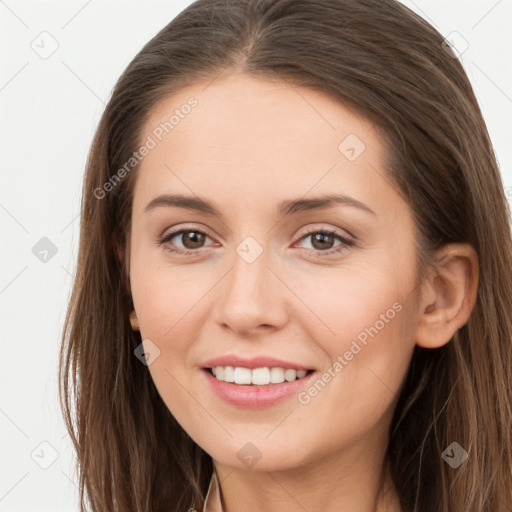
[252,298]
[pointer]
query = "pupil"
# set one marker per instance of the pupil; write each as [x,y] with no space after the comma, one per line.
[320,237]
[194,238]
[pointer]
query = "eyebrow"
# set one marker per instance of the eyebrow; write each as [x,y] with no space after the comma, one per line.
[285,207]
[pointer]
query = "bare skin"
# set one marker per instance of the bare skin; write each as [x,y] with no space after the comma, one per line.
[248,145]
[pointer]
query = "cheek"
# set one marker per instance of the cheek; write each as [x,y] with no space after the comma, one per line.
[345,303]
[167,302]
[362,324]
[165,297]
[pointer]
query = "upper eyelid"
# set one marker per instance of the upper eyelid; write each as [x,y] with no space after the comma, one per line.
[178,230]
[302,233]
[303,229]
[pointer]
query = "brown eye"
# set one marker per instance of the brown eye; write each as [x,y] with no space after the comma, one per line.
[322,241]
[192,239]
[187,240]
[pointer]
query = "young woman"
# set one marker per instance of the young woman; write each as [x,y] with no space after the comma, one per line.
[295,272]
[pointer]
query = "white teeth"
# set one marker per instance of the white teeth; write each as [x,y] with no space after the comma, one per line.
[242,375]
[257,376]
[260,376]
[229,374]
[276,375]
[290,374]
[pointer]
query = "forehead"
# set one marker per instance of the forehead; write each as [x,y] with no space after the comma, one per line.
[248,139]
[253,111]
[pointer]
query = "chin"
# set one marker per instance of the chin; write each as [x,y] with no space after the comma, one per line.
[260,456]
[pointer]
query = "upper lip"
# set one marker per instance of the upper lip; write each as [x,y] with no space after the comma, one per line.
[252,362]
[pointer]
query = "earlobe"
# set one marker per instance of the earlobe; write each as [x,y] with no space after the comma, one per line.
[134,321]
[449,295]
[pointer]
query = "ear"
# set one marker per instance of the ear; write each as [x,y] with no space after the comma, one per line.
[121,255]
[449,295]
[134,321]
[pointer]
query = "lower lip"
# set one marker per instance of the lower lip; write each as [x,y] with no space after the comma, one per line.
[255,397]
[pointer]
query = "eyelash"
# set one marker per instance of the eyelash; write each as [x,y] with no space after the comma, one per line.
[344,242]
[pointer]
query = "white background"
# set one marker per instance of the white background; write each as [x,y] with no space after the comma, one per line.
[49,111]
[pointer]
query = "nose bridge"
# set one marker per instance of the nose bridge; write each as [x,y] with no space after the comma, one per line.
[249,297]
[249,273]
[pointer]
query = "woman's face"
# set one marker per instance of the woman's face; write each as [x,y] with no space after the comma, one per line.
[254,277]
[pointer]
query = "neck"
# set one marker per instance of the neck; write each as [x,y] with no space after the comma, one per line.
[355,480]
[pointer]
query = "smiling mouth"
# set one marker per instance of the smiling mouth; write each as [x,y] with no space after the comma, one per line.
[257,376]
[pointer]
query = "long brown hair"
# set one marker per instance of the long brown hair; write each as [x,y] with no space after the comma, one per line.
[391,66]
